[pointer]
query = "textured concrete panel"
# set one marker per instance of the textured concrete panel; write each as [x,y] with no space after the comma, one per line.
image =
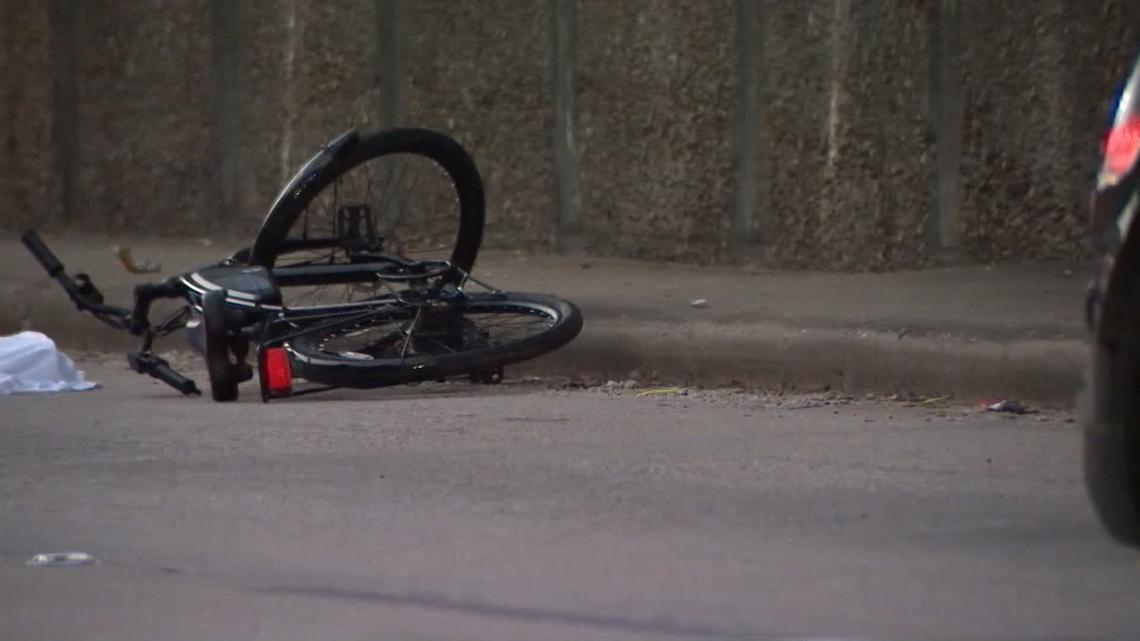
[875,185]
[480,71]
[1037,79]
[656,90]
[268,59]
[797,65]
[29,187]
[306,71]
[144,115]
[845,83]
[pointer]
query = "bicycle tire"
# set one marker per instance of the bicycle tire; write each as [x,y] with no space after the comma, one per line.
[438,147]
[311,363]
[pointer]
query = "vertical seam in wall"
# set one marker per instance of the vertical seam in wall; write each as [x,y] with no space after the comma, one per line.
[749,179]
[65,102]
[290,56]
[7,108]
[388,61]
[839,28]
[944,229]
[567,224]
[223,123]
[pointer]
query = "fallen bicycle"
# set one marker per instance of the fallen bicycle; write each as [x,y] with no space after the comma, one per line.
[418,322]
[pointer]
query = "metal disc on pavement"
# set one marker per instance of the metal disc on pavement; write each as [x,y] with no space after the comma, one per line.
[54,559]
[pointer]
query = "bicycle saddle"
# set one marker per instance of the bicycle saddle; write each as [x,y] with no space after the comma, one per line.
[255,284]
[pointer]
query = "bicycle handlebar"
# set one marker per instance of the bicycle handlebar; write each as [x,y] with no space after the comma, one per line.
[123,319]
[157,367]
[136,321]
[46,258]
[164,373]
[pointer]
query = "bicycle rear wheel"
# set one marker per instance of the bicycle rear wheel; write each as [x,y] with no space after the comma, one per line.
[358,203]
[405,343]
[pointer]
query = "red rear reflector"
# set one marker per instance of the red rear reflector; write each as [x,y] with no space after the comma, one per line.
[276,374]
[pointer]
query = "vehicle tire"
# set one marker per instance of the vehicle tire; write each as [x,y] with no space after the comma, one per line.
[271,240]
[223,376]
[313,362]
[1109,411]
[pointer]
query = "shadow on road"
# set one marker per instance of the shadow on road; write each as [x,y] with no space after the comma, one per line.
[661,625]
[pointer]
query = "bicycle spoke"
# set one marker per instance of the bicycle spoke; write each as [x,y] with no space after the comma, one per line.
[387,186]
[472,330]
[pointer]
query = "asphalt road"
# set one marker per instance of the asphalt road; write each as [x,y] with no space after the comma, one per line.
[523,512]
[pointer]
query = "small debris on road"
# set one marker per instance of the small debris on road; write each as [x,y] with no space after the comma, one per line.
[821,402]
[700,302]
[662,390]
[133,266]
[1009,406]
[54,559]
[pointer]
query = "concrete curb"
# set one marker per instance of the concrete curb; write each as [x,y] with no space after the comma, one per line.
[751,355]
[1043,372]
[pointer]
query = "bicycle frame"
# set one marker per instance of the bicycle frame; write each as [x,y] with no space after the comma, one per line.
[266,325]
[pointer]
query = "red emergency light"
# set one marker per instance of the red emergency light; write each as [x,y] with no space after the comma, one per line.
[1121,145]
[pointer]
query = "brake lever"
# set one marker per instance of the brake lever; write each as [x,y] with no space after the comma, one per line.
[87,289]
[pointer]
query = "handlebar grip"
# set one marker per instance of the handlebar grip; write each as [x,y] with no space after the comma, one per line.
[162,372]
[41,252]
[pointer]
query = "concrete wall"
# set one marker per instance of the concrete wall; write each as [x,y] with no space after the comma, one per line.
[480,71]
[1036,79]
[654,98]
[841,134]
[29,186]
[843,83]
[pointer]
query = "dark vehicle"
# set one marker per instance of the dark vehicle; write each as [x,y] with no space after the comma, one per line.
[417,321]
[1110,403]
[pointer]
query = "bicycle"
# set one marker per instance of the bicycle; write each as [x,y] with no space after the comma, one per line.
[421,311]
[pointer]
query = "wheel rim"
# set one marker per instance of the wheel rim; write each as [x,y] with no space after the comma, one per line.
[439,331]
[399,203]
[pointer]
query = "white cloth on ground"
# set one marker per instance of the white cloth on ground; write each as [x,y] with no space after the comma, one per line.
[30,363]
